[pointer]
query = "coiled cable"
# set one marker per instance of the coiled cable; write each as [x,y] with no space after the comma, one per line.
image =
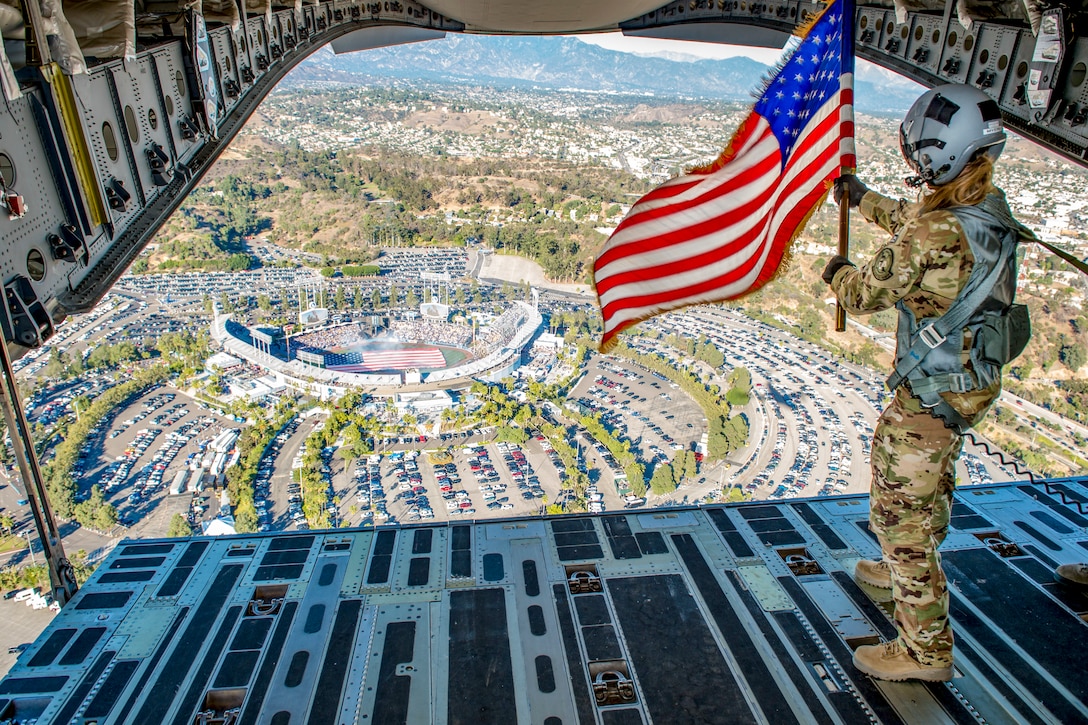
[1023,470]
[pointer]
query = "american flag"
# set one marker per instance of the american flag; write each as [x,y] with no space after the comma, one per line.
[721,231]
[400,359]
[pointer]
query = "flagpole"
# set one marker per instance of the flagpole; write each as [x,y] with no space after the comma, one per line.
[847,150]
[844,246]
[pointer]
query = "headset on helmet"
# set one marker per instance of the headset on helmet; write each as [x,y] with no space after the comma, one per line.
[946,128]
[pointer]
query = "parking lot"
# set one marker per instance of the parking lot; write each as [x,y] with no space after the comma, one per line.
[474,481]
[22,625]
[640,407]
[135,455]
[277,495]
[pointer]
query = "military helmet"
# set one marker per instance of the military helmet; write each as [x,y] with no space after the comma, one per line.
[946,128]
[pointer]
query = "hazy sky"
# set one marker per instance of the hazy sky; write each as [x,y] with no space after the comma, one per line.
[769,56]
[627,44]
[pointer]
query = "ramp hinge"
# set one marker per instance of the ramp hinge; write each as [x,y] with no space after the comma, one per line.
[28,322]
[117,195]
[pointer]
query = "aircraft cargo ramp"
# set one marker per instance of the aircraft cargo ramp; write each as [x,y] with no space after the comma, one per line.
[721,614]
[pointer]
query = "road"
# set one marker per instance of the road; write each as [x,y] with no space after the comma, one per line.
[281,472]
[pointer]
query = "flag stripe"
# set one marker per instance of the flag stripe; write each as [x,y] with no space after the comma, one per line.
[724,286]
[788,202]
[764,163]
[755,132]
[673,259]
[656,253]
[664,252]
[722,232]
[794,196]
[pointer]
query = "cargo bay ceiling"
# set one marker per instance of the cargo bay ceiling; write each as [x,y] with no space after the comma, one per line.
[115,109]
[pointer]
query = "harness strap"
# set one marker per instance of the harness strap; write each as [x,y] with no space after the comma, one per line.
[1080,264]
[943,383]
[939,408]
[931,335]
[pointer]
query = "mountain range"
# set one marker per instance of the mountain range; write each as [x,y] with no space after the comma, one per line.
[556,62]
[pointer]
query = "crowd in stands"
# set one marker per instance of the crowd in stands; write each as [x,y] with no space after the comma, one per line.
[432,332]
[329,338]
[423,331]
[499,332]
[488,339]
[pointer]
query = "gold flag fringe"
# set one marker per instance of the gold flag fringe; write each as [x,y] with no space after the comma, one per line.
[783,267]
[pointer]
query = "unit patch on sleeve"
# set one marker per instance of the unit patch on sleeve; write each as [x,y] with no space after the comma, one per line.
[883,264]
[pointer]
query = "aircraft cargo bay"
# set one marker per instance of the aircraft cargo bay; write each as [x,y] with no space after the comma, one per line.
[725,613]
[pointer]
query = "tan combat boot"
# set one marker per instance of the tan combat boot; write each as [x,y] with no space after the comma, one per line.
[874,573]
[891,661]
[1072,575]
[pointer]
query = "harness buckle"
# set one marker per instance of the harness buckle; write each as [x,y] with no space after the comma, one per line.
[960,383]
[931,337]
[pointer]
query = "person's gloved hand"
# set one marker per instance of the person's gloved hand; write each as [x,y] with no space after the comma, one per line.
[837,262]
[854,185]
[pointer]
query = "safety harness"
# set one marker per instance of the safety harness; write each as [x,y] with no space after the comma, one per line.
[929,352]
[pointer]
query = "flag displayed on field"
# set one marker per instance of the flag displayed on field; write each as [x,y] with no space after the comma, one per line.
[721,231]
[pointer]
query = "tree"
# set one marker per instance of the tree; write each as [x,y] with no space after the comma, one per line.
[105,517]
[867,354]
[245,516]
[662,481]
[57,367]
[179,527]
[1022,371]
[1073,355]
[95,512]
[636,478]
[691,466]
[511,434]
[7,523]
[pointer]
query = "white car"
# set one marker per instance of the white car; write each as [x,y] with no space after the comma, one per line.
[25,594]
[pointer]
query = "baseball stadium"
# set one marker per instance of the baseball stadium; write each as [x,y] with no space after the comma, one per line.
[416,349]
[424,345]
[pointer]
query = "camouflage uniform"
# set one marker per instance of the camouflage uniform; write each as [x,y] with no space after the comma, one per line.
[926,264]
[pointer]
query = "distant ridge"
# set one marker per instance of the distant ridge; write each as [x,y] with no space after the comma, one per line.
[560,62]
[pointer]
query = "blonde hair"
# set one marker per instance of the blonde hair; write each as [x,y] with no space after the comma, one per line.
[969,188]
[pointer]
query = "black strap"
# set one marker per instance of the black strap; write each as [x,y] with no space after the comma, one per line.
[951,417]
[1080,264]
[1000,210]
